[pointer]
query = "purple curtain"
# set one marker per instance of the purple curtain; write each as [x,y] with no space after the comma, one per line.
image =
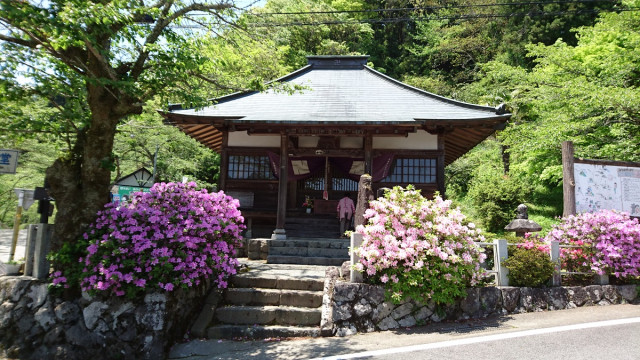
[381,166]
[306,166]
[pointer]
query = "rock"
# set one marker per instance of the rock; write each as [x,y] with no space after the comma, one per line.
[368,326]
[45,317]
[341,312]
[532,300]
[388,323]
[471,303]
[402,310]
[595,294]
[151,314]
[347,330]
[490,300]
[344,292]
[422,314]
[510,298]
[382,311]
[345,270]
[628,292]
[374,294]
[125,328]
[37,294]
[152,348]
[79,336]
[436,318]
[362,309]
[577,295]
[557,298]
[92,313]
[610,293]
[407,321]
[67,312]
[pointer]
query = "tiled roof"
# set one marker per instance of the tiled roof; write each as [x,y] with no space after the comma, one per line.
[354,95]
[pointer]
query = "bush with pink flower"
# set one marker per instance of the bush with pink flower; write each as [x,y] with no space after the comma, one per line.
[608,242]
[419,248]
[173,236]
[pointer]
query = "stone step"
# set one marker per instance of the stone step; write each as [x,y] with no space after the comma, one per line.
[276,282]
[309,252]
[268,315]
[226,331]
[253,296]
[302,260]
[312,243]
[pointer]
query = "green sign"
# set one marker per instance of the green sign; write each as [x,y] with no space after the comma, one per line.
[123,193]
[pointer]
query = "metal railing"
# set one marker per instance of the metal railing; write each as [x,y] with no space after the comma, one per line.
[501,253]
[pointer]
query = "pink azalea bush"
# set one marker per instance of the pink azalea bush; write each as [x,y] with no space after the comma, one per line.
[419,248]
[174,236]
[608,243]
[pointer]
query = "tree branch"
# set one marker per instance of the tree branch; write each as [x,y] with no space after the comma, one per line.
[163,22]
[28,43]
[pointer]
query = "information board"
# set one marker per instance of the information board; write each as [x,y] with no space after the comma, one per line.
[8,161]
[607,187]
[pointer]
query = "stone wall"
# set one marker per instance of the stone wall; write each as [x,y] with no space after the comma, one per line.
[36,325]
[362,308]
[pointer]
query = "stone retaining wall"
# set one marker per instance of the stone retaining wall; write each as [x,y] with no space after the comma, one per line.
[362,308]
[36,325]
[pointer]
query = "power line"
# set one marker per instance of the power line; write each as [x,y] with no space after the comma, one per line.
[415,9]
[463,17]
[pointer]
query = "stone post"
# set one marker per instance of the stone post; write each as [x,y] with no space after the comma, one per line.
[356,241]
[29,261]
[555,259]
[43,241]
[365,194]
[501,254]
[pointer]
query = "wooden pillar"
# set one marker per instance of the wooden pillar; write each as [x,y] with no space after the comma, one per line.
[224,162]
[440,164]
[368,157]
[568,180]
[279,232]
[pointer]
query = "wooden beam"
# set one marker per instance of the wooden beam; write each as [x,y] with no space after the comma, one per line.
[368,154]
[568,180]
[279,232]
[440,164]
[224,162]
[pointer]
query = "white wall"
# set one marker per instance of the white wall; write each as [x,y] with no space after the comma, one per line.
[241,138]
[420,140]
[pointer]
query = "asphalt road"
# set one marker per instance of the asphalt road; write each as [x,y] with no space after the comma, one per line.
[566,334]
[6,236]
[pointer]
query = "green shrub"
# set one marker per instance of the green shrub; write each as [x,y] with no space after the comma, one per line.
[496,198]
[529,267]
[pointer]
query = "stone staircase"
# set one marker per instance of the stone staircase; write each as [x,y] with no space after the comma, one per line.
[312,226]
[270,301]
[309,251]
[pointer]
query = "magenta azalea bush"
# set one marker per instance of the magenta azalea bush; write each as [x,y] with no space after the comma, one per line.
[174,236]
[608,243]
[419,248]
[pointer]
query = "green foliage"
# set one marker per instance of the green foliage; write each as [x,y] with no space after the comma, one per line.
[496,198]
[529,267]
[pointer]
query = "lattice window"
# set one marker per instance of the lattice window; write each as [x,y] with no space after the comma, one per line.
[412,171]
[250,167]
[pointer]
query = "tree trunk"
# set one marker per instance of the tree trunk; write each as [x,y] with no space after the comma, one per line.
[80,182]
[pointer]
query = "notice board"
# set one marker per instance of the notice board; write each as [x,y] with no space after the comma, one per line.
[602,186]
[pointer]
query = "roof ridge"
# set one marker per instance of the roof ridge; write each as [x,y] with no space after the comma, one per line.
[435,96]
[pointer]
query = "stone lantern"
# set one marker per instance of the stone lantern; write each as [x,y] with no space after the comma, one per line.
[522,224]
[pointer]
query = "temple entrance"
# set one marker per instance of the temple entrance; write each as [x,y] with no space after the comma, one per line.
[325,186]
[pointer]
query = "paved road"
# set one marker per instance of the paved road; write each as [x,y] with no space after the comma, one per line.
[5,244]
[511,341]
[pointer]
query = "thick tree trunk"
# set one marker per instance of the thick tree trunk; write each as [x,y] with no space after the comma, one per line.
[80,182]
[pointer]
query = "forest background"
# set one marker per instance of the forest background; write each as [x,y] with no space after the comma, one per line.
[567,70]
